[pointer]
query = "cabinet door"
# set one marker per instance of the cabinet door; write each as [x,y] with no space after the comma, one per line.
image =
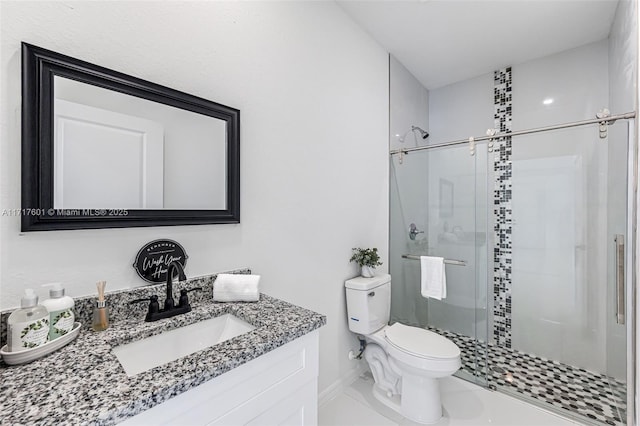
[299,408]
[279,387]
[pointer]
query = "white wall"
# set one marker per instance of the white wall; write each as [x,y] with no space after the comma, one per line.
[623,56]
[314,148]
[461,110]
[408,106]
[576,80]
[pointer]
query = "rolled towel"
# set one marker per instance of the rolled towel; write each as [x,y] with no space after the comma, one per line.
[236,288]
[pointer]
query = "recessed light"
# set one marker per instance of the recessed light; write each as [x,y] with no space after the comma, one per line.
[548,101]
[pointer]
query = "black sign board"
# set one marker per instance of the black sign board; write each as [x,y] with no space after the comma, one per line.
[154,258]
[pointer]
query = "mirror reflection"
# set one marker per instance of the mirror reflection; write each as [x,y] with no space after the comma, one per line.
[117,151]
[135,152]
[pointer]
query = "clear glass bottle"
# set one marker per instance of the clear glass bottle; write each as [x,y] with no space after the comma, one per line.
[100,317]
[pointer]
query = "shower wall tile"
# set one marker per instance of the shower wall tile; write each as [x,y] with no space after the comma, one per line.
[563,171]
[461,110]
[502,253]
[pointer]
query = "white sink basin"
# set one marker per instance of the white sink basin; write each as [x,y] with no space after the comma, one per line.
[145,354]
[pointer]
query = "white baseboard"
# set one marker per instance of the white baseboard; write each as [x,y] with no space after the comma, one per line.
[339,385]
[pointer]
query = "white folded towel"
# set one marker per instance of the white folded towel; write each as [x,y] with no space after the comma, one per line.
[236,288]
[433,277]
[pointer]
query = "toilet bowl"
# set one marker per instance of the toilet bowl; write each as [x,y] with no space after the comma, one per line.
[406,362]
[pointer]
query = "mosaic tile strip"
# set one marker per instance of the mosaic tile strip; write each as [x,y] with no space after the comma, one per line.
[592,397]
[502,209]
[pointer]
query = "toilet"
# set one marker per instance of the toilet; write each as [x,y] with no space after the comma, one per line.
[406,362]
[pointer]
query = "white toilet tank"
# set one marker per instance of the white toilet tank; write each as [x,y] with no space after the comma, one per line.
[368,303]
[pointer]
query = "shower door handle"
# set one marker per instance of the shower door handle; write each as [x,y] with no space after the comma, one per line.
[619,273]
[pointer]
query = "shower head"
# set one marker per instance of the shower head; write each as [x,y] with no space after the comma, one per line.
[422,132]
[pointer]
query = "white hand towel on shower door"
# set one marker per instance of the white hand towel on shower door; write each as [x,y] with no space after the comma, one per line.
[433,277]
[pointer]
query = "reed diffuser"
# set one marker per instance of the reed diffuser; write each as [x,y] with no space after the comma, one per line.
[101,312]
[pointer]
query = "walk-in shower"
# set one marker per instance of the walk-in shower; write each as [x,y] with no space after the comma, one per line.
[534,226]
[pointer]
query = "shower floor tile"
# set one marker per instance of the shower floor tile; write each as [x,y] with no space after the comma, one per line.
[592,397]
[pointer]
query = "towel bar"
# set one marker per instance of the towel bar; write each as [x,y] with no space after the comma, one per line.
[447,261]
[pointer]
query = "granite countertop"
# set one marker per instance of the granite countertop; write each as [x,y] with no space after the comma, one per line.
[83,383]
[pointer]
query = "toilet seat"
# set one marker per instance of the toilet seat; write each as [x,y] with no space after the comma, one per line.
[420,343]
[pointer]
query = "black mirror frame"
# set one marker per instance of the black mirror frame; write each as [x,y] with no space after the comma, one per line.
[39,66]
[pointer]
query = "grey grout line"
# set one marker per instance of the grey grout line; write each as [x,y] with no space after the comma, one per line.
[589,396]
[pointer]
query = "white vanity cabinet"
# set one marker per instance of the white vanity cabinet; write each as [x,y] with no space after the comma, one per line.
[277,388]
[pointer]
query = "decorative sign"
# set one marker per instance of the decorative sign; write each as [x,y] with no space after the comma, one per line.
[152,261]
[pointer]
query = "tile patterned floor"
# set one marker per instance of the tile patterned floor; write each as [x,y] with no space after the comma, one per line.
[589,396]
[464,404]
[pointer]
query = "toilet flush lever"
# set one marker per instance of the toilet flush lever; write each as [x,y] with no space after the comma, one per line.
[371,294]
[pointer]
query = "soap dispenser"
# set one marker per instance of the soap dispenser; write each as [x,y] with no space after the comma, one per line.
[60,307]
[27,327]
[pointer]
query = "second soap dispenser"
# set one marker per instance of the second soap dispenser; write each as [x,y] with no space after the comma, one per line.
[61,314]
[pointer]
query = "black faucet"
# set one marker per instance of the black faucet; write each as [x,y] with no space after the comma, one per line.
[168,302]
[170,310]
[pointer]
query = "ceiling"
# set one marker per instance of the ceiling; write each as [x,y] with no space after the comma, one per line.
[444,41]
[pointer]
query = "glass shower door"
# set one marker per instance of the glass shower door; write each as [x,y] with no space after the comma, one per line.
[563,348]
[438,208]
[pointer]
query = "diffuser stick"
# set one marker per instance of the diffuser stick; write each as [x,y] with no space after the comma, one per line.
[101,312]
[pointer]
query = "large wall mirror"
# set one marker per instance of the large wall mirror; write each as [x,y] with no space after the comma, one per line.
[101,149]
